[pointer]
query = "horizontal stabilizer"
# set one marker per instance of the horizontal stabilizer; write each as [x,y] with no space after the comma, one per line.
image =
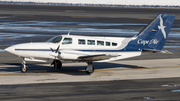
[166,52]
[155,51]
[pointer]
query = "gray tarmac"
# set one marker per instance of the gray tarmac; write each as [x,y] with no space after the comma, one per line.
[121,90]
[148,77]
[124,80]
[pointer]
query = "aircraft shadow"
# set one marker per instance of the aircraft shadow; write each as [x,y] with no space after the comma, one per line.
[105,65]
[70,70]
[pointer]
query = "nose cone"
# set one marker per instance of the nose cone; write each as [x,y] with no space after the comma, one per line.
[10,49]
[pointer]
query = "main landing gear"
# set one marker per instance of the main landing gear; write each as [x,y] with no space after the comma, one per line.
[89,69]
[57,64]
[24,68]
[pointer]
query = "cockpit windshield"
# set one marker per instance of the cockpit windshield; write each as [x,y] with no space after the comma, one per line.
[55,39]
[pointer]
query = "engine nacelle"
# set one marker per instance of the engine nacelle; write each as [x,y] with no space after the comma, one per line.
[68,56]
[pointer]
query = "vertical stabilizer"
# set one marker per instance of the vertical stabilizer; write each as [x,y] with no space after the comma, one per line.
[155,34]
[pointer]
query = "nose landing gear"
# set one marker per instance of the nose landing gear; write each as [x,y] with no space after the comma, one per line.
[24,68]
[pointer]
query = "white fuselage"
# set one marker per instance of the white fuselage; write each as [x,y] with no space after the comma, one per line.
[72,47]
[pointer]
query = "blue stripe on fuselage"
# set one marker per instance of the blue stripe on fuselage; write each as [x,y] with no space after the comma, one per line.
[123,50]
[32,49]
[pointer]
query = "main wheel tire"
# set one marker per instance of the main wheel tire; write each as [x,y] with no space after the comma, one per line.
[89,72]
[24,69]
[58,64]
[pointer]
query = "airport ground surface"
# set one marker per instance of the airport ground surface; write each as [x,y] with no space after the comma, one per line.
[126,80]
[148,77]
[121,90]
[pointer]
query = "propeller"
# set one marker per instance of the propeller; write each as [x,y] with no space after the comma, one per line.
[56,52]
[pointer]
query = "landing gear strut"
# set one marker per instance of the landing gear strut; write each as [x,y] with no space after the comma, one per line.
[57,64]
[89,69]
[24,68]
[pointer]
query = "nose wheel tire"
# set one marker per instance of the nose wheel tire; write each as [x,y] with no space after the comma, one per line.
[24,69]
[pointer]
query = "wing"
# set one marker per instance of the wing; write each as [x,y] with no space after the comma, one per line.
[96,57]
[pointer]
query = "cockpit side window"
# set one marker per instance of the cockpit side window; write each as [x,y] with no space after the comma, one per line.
[55,39]
[67,41]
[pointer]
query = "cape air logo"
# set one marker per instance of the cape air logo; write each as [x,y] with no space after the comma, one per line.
[161,27]
[145,42]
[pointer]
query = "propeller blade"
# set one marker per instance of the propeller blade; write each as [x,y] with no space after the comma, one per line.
[57,49]
[52,62]
[51,49]
[55,64]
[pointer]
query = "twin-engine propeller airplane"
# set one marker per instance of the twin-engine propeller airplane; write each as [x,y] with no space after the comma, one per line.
[91,49]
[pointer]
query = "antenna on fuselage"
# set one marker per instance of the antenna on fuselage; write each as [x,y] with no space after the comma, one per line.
[69,32]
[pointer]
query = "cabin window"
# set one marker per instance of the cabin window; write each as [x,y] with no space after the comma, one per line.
[81,41]
[114,44]
[100,43]
[91,42]
[108,44]
[67,41]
